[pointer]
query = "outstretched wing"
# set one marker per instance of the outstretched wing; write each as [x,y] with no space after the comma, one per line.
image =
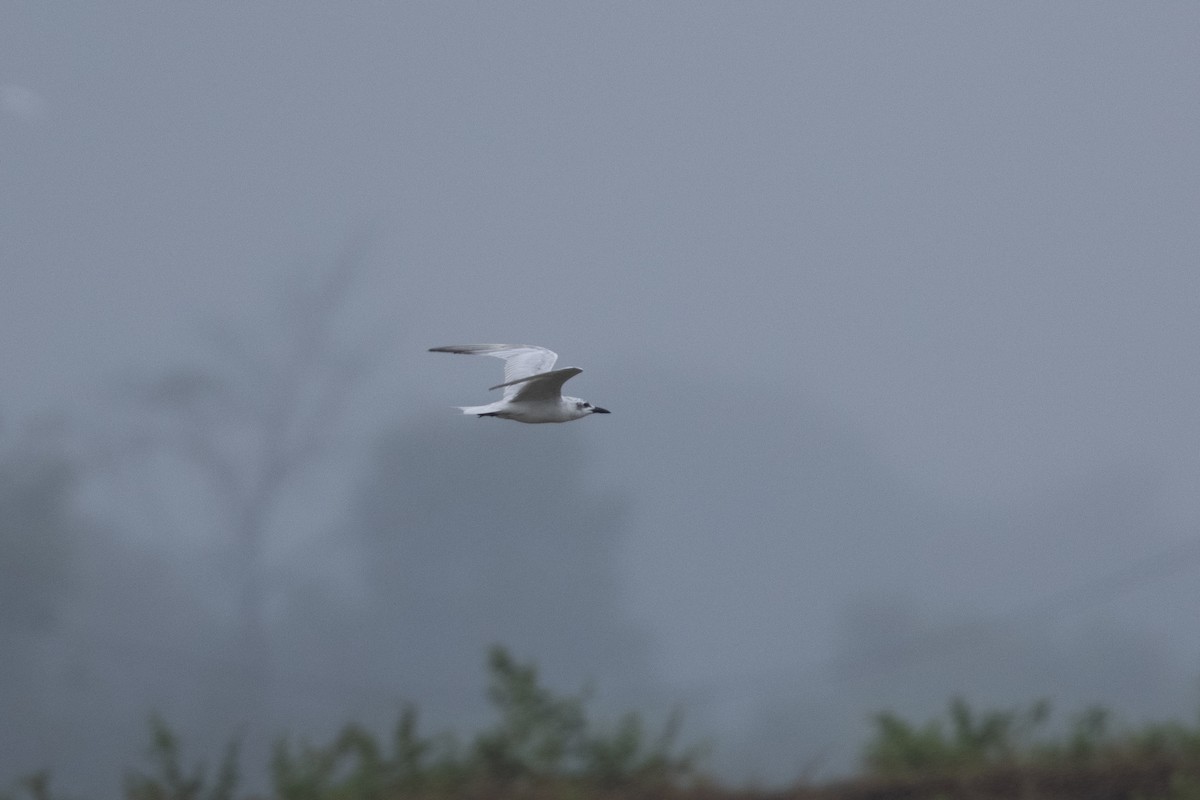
[545,386]
[521,361]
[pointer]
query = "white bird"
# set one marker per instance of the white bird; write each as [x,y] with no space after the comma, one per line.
[532,389]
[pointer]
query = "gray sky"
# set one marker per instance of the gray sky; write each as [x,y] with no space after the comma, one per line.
[893,304]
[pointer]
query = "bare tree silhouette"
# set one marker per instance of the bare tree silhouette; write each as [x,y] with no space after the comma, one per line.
[265,408]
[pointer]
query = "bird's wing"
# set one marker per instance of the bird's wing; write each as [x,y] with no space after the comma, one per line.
[543,386]
[521,361]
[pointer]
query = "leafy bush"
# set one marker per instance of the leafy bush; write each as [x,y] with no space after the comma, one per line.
[540,740]
[1093,740]
[172,781]
[538,735]
[969,740]
[543,745]
[996,754]
[355,767]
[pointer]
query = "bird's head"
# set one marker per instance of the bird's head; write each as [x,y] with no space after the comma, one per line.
[584,407]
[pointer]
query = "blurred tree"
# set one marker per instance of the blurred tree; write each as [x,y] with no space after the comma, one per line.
[474,533]
[246,426]
[38,533]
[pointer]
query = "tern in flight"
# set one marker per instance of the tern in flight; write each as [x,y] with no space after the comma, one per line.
[532,387]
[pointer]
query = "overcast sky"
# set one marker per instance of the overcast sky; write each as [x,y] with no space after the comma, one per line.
[893,304]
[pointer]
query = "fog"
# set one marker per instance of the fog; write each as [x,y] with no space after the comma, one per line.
[894,307]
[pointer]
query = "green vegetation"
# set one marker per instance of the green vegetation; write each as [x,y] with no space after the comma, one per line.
[543,745]
[171,781]
[967,740]
[542,742]
[1016,753]
[970,740]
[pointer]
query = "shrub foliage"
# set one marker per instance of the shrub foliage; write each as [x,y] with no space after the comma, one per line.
[544,745]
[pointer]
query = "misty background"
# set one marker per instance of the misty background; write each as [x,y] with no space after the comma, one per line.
[894,305]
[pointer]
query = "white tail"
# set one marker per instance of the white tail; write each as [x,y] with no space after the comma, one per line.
[488,409]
